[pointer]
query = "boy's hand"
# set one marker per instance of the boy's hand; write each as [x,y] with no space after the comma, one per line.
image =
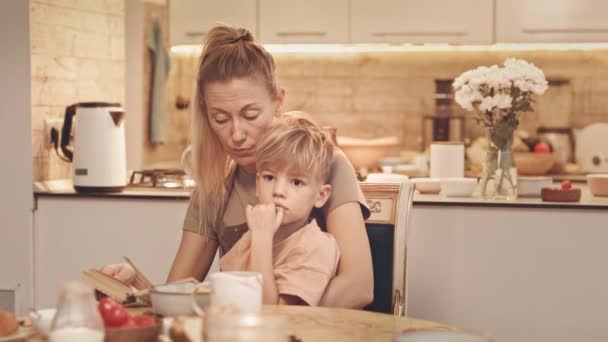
[264,219]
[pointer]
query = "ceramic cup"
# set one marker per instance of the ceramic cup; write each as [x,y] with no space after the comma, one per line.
[243,289]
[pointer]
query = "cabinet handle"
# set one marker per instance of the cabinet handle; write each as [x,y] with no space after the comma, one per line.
[558,30]
[196,33]
[419,33]
[374,206]
[301,33]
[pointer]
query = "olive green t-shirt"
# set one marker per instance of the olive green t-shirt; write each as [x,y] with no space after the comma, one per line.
[344,189]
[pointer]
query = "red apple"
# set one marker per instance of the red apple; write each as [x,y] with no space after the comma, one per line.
[542,147]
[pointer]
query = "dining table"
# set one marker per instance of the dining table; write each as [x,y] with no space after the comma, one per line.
[306,324]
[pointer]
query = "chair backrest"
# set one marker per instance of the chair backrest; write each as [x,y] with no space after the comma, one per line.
[387,230]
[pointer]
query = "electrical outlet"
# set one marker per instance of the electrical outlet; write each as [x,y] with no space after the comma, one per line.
[50,123]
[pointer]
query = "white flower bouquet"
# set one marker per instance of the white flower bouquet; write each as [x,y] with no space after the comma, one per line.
[498,96]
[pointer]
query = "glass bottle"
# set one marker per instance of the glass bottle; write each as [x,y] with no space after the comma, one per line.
[77,317]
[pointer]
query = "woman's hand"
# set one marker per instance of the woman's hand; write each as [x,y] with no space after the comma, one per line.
[264,219]
[353,286]
[123,272]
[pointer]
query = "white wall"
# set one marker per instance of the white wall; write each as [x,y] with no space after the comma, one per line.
[16,270]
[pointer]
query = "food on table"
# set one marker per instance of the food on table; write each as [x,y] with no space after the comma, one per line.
[8,324]
[566,185]
[115,315]
[186,329]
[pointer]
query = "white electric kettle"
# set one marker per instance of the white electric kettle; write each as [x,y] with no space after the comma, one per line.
[99,155]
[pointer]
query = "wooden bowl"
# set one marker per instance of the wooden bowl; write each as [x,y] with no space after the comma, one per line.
[366,153]
[533,164]
[560,195]
[140,334]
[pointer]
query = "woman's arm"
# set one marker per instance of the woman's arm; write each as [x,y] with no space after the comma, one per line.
[194,257]
[353,286]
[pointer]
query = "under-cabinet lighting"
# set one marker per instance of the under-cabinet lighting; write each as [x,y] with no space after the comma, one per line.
[363,48]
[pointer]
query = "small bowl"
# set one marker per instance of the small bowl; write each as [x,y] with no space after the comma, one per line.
[458,187]
[598,184]
[42,320]
[533,164]
[427,185]
[560,195]
[176,299]
[366,153]
[531,186]
[140,334]
[385,178]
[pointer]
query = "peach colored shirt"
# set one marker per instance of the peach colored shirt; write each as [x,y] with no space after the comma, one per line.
[303,263]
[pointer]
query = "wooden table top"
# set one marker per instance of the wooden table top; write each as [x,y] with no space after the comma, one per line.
[334,324]
[337,325]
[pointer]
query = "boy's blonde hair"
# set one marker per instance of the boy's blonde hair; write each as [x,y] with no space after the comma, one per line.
[228,53]
[297,143]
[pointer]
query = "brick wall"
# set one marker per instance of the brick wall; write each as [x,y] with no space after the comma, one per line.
[376,94]
[78,55]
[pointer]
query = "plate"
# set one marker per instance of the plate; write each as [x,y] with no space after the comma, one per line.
[439,336]
[20,335]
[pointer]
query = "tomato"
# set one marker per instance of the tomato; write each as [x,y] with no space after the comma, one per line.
[144,321]
[542,147]
[566,185]
[113,314]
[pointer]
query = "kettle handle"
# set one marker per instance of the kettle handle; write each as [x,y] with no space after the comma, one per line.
[66,131]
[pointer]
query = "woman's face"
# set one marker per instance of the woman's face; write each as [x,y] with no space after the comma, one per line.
[239,112]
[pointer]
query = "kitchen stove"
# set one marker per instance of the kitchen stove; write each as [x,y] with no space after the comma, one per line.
[161,178]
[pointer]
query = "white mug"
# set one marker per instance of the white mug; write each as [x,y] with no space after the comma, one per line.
[243,289]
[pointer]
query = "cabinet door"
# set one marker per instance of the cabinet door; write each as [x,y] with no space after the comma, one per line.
[551,21]
[74,234]
[191,19]
[414,21]
[297,21]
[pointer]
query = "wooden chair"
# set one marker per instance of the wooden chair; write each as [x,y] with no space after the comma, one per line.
[387,227]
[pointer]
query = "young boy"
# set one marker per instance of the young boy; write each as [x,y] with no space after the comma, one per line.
[296,259]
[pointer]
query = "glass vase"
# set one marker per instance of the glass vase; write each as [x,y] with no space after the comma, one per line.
[499,176]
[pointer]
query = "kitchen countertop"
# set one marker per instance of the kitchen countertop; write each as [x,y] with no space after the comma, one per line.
[63,188]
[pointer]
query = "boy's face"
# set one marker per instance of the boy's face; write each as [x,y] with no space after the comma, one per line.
[296,193]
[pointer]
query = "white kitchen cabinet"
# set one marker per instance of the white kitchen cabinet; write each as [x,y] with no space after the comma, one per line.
[191,19]
[75,233]
[517,274]
[296,21]
[430,21]
[519,21]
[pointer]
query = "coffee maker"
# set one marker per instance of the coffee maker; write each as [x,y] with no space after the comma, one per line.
[443,124]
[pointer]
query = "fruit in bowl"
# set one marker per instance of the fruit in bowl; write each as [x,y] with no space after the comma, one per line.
[120,326]
[533,163]
[565,193]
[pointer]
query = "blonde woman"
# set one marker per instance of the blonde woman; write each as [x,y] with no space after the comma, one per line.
[237,99]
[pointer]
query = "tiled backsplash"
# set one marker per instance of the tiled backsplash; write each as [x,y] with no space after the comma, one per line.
[377,94]
[78,55]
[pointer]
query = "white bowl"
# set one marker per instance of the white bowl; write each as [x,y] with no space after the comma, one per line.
[458,187]
[42,320]
[385,178]
[176,299]
[531,186]
[598,184]
[427,185]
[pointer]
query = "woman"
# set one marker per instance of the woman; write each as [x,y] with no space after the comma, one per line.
[237,98]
